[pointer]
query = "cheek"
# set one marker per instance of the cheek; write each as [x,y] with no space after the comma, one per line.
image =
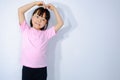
[44,22]
[33,19]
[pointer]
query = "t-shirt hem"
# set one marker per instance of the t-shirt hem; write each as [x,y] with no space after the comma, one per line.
[34,66]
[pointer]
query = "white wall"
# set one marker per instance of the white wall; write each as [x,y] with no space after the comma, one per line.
[86,48]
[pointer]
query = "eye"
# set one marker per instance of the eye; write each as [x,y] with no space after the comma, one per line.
[37,16]
[43,19]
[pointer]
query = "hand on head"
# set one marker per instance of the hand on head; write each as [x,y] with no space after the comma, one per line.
[40,3]
[48,6]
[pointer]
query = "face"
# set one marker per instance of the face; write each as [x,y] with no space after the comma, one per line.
[38,21]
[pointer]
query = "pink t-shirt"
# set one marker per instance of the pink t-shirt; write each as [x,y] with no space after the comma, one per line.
[34,44]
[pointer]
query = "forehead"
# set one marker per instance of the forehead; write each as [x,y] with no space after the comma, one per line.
[42,14]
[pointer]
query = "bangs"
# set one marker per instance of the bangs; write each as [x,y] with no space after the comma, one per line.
[41,12]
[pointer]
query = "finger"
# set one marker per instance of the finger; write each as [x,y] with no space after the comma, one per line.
[48,6]
[41,3]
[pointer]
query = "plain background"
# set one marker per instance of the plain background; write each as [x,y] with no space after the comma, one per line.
[86,48]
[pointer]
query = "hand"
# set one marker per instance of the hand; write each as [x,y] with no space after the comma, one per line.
[50,6]
[40,3]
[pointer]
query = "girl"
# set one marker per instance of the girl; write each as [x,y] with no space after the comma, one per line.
[35,38]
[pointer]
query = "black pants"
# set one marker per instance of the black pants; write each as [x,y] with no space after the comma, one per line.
[34,73]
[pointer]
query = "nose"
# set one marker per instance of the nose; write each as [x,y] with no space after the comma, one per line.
[39,20]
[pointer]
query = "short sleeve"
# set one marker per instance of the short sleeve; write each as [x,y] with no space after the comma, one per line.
[24,26]
[50,32]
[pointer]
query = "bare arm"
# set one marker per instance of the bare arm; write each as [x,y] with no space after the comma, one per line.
[59,23]
[25,8]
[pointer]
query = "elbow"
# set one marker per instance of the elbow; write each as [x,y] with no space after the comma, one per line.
[62,23]
[59,25]
[20,10]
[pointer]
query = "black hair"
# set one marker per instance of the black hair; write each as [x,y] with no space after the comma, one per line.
[40,11]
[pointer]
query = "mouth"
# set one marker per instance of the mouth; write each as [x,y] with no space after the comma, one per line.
[38,24]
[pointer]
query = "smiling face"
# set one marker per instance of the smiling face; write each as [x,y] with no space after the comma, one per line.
[40,18]
[39,21]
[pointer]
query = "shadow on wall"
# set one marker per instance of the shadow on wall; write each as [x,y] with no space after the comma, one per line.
[54,46]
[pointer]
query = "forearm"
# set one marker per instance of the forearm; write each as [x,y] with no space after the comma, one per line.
[58,17]
[26,7]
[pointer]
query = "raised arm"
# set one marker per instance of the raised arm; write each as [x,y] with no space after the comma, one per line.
[59,23]
[25,8]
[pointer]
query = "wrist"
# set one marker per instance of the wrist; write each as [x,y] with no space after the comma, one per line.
[35,3]
[54,9]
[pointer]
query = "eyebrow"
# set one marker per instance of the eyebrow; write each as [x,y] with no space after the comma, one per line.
[41,16]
